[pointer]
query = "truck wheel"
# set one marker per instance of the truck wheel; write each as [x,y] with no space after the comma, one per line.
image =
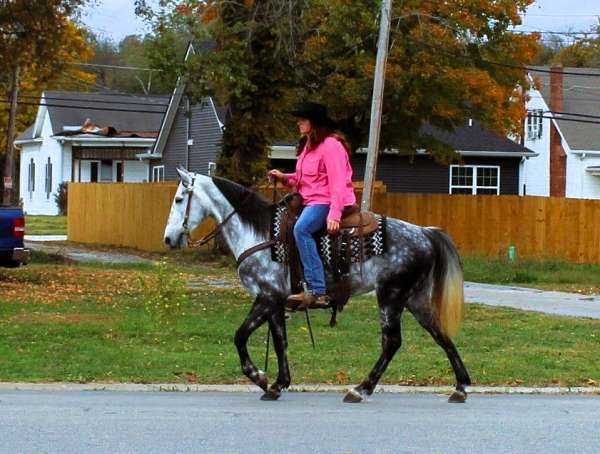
[10,264]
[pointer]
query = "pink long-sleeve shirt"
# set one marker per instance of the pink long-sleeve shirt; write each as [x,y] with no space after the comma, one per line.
[324,176]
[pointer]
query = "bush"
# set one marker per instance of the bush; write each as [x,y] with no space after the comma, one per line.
[61,198]
[165,295]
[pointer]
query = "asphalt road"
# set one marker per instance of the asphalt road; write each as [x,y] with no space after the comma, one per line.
[121,422]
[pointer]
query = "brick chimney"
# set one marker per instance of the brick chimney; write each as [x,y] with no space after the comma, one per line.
[558,158]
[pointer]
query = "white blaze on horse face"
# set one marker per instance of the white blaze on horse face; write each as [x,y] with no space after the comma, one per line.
[174,228]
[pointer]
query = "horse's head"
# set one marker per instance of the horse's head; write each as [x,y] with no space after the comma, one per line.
[187,210]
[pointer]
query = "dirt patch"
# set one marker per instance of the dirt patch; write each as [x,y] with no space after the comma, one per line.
[49,284]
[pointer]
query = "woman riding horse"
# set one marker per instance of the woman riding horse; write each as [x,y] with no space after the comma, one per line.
[323,177]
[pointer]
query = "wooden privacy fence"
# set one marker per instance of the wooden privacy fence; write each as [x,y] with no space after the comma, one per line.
[135,215]
[539,227]
[122,214]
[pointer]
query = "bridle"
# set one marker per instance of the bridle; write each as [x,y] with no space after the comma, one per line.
[186,230]
[213,233]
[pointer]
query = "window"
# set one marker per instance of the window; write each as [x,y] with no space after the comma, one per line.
[31,177]
[212,169]
[158,173]
[48,185]
[534,124]
[475,180]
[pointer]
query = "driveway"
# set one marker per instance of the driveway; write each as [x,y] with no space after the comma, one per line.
[557,303]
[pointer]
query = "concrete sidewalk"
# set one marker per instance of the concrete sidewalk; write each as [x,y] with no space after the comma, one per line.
[548,302]
[301,387]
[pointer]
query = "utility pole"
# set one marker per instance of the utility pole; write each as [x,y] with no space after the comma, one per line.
[377,103]
[9,161]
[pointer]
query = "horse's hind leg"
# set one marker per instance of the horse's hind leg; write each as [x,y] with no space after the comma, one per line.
[462,376]
[423,314]
[390,310]
[278,331]
[259,313]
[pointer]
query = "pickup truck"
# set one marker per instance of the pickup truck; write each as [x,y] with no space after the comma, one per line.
[12,231]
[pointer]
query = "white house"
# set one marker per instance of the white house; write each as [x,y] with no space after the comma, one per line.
[86,137]
[568,145]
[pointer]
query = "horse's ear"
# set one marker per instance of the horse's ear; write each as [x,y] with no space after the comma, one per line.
[184,175]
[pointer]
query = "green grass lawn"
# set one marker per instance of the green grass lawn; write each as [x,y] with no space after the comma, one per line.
[45,225]
[545,274]
[60,322]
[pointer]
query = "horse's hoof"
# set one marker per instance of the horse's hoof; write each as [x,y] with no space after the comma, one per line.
[458,397]
[271,395]
[263,382]
[352,397]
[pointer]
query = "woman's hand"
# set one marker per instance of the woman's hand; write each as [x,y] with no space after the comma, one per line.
[333,227]
[276,174]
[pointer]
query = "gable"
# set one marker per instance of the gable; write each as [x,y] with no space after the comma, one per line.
[581,95]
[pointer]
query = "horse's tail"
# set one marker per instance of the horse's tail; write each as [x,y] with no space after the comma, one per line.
[448,284]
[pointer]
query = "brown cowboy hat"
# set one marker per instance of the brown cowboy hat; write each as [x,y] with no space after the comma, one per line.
[316,113]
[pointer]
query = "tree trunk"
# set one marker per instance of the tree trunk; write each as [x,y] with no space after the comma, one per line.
[9,162]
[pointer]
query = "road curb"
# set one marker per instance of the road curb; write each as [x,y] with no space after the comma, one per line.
[391,389]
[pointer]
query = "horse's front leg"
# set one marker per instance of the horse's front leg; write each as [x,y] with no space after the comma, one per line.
[259,313]
[278,331]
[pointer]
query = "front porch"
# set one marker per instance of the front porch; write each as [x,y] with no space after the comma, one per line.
[108,165]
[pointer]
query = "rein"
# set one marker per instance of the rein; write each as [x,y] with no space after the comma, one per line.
[212,234]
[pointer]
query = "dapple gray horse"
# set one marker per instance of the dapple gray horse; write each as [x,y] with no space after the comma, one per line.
[420,271]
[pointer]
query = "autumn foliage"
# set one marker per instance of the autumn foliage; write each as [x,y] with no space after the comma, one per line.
[448,62]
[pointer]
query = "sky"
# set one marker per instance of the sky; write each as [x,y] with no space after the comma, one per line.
[116,18]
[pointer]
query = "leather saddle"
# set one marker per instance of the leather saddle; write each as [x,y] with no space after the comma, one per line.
[358,223]
[355,228]
[354,222]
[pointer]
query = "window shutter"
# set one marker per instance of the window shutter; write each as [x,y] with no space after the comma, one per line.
[32,164]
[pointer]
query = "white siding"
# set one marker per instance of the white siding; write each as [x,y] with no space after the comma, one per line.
[86,172]
[535,174]
[38,202]
[580,183]
[136,171]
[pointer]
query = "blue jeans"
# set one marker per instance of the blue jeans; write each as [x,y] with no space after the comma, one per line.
[312,219]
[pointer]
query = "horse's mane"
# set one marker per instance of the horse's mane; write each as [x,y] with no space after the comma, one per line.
[252,207]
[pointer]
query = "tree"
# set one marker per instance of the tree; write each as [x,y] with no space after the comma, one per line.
[448,61]
[441,66]
[37,41]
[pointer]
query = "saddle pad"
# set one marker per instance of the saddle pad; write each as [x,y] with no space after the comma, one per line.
[374,243]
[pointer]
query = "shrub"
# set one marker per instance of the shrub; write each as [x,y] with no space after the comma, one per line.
[61,198]
[164,294]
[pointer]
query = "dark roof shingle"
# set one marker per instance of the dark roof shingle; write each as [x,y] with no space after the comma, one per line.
[144,116]
[474,138]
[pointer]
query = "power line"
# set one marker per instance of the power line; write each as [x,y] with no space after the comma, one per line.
[544,32]
[98,65]
[94,100]
[506,65]
[111,93]
[556,112]
[572,120]
[103,87]
[562,15]
[6,101]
